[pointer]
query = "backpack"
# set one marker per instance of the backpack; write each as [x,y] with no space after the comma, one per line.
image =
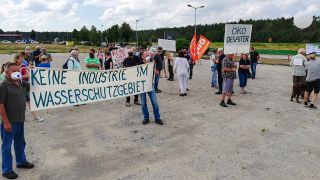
[65,65]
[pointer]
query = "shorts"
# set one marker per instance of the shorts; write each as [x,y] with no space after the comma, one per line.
[299,80]
[313,86]
[227,85]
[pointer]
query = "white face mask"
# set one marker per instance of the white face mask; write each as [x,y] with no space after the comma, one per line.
[148,58]
[16,76]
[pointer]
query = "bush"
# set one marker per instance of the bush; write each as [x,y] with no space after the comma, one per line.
[182,43]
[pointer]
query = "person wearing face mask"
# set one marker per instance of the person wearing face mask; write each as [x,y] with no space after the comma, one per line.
[108,64]
[25,75]
[130,62]
[12,111]
[92,63]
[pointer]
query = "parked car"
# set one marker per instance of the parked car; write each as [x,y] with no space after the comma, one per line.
[34,42]
[20,42]
[62,43]
[6,42]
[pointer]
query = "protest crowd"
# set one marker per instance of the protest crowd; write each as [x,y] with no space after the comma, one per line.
[15,84]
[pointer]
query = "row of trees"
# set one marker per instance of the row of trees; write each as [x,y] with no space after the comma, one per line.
[280,30]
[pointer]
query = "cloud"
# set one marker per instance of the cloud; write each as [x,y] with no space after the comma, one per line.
[38,14]
[53,15]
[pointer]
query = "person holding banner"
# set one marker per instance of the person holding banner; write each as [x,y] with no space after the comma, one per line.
[100,57]
[254,58]
[181,67]
[153,98]
[298,63]
[12,111]
[129,62]
[25,77]
[229,68]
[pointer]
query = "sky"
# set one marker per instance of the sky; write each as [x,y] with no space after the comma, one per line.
[65,15]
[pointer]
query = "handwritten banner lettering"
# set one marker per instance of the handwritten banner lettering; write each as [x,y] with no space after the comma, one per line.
[53,88]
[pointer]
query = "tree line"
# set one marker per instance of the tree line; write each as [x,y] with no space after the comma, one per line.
[281,30]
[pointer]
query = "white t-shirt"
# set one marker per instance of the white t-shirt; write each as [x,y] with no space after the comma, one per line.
[181,65]
[212,59]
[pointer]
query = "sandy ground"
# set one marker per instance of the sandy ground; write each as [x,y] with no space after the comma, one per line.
[264,137]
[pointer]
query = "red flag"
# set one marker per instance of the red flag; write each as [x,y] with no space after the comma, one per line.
[193,47]
[203,45]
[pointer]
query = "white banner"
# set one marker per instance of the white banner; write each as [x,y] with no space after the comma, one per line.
[118,55]
[311,48]
[237,38]
[53,88]
[168,45]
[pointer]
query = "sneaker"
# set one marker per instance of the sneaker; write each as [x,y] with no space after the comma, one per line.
[306,104]
[219,92]
[10,175]
[137,103]
[185,94]
[159,121]
[38,119]
[223,104]
[158,91]
[145,121]
[231,103]
[26,165]
[313,106]
[181,95]
[187,89]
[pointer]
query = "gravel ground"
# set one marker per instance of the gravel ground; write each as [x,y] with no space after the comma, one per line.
[264,137]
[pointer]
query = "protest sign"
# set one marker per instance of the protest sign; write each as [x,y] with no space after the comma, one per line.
[53,88]
[118,55]
[168,45]
[203,45]
[237,38]
[311,48]
[193,47]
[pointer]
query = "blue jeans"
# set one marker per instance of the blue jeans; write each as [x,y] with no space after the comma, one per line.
[243,78]
[16,135]
[156,81]
[214,76]
[254,70]
[153,98]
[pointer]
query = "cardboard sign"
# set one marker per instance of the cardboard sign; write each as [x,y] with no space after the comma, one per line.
[168,45]
[311,48]
[54,88]
[237,38]
[118,56]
